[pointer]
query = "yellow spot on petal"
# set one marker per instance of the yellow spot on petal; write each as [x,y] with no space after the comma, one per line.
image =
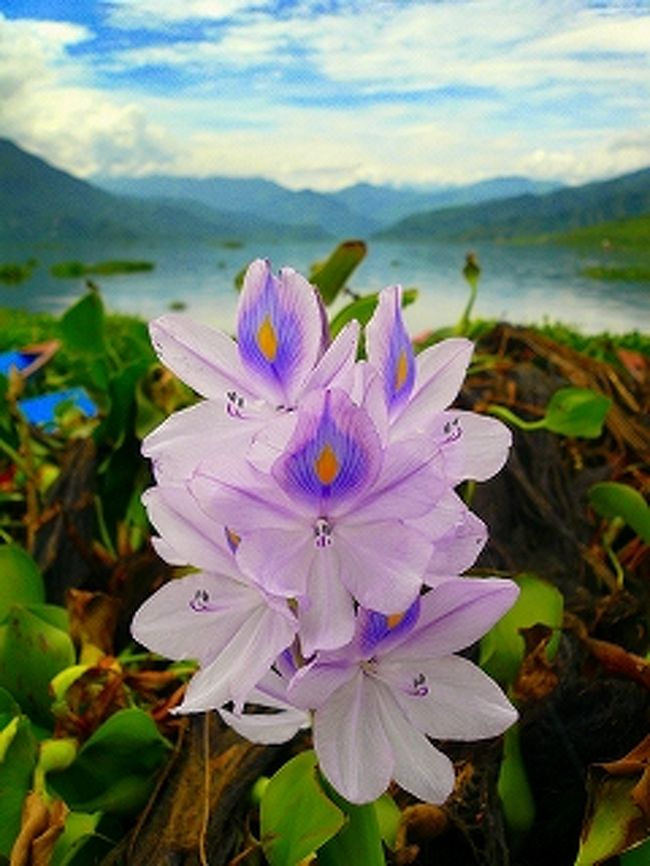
[394,619]
[401,369]
[267,339]
[326,465]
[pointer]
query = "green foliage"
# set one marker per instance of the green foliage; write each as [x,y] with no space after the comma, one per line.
[296,816]
[20,579]
[114,770]
[18,750]
[331,276]
[623,234]
[82,326]
[618,273]
[503,647]
[34,647]
[362,309]
[13,273]
[613,500]
[570,412]
[513,787]
[70,269]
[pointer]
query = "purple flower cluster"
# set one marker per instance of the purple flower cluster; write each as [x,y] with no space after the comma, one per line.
[314,495]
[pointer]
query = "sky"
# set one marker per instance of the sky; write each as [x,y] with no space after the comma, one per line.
[327,93]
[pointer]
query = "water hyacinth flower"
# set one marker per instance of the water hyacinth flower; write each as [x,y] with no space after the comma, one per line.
[329,524]
[281,353]
[377,700]
[419,390]
[217,616]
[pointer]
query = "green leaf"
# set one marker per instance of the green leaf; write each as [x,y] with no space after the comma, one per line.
[638,856]
[613,817]
[611,499]
[331,275]
[82,326]
[114,770]
[20,579]
[86,839]
[388,818]
[17,762]
[503,648]
[295,814]
[32,651]
[362,309]
[514,790]
[577,412]
[79,828]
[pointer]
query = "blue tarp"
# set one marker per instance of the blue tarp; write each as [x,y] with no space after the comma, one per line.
[15,358]
[41,410]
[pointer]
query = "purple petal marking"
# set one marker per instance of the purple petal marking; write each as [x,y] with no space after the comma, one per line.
[334,452]
[280,331]
[376,629]
[390,349]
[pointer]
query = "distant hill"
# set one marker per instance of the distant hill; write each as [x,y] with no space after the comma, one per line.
[356,210]
[41,203]
[533,216]
[632,233]
[387,205]
[262,199]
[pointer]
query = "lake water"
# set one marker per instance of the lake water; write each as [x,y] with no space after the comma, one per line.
[518,283]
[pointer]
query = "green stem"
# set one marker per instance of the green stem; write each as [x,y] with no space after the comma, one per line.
[507,415]
[359,841]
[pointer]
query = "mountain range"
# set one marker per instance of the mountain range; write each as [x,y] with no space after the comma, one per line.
[39,202]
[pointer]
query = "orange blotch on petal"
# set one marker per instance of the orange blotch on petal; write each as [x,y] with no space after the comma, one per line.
[267,339]
[326,465]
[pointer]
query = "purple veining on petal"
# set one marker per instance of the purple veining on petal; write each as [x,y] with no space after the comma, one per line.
[399,371]
[333,455]
[270,334]
[376,628]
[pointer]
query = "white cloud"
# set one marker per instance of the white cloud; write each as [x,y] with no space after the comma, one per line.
[77,127]
[158,13]
[381,91]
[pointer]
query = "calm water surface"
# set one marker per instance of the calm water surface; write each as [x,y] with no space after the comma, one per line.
[520,284]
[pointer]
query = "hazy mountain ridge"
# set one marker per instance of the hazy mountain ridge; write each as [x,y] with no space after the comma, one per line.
[361,209]
[41,203]
[533,216]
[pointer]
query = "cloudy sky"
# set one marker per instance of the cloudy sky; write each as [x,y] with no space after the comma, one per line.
[325,93]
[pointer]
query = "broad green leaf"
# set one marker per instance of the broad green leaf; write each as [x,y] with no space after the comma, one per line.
[16,768]
[613,821]
[32,651]
[8,708]
[362,309]
[331,275]
[20,579]
[115,768]
[637,856]
[577,412]
[295,814]
[516,797]
[82,326]
[79,828]
[86,839]
[388,818]
[503,647]
[611,499]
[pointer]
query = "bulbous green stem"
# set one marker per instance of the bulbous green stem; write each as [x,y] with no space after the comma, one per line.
[359,841]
